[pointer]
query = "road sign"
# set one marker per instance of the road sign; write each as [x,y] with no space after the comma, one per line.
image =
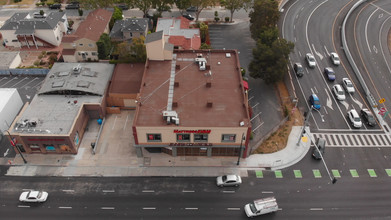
[382,110]
[382,100]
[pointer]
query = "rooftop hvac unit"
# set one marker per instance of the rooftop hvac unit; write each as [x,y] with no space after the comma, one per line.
[76,69]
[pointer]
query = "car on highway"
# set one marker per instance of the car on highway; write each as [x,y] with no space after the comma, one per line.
[321,144]
[228,180]
[33,196]
[191,9]
[335,58]
[55,6]
[329,72]
[368,117]
[310,60]
[339,92]
[298,68]
[314,101]
[348,85]
[354,118]
[188,17]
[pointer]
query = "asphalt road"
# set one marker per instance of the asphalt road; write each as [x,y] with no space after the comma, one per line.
[314,27]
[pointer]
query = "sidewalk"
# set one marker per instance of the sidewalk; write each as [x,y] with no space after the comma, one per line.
[115,156]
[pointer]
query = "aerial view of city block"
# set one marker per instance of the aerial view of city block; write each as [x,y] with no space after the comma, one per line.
[195,109]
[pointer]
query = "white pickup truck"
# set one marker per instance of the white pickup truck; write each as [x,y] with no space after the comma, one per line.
[261,206]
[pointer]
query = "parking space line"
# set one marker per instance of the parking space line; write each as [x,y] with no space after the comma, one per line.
[354,173]
[297,173]
[388,171]
[336,173]
[259,173]
[255,105]
[372,173]
[317,174]
[258,126]
[256,116]
[278,173]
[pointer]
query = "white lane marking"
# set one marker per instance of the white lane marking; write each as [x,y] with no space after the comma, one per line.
[65,207]
[26,189]
[250,98]
[115,120]
[256,116]
[188,191]
[229,191]
[126,122]
[233,209]
[316,209]
[68,190]
[108,191]
[107,208]
[149,208]
[148,191]
[191,208]
[267,192]
[366,30]
[258,126]
[255,105]
[23,206]
[279,209]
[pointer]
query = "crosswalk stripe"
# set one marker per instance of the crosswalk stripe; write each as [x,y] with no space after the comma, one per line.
[354,140]
[388,171]
[259,173]
[297,173]
[354,173]
[336,173]
[372,173]
[317,174]
[278,173]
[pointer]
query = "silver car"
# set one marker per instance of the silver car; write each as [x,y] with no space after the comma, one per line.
[228,180]
[335,58]
[33,196]
[310,60]
[338,92]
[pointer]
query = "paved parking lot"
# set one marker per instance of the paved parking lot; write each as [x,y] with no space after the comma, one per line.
[27,87]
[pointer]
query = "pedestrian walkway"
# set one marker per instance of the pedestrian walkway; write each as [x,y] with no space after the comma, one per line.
[355,140]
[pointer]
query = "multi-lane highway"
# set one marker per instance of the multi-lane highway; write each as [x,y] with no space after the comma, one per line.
[315,27]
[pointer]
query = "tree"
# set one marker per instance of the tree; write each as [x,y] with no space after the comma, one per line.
[201,5]
[270,61]
[123,51]
[264,15]
[235,5]
[95,4]
[162,5]
[182,5]
[104,46]
[138,50]
[41,12]
[204,28]
[80,12]
[117,15]
[143,5]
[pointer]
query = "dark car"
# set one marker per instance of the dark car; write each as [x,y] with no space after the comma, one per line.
[55,6]
[123,7]
[72,6]
[188,17]
[368,117]
[329,73]
[321,144]
[192,9]
[298,68]
[314,101]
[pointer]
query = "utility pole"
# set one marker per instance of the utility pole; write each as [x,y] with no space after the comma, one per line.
[13,143]
[240,149]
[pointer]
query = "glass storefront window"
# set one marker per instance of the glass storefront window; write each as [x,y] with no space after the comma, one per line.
[183,137]
[35,148]
[154,137]
[200,137]
[228,138]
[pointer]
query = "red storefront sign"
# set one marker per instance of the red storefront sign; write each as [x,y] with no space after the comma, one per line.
[190,144]
[31,139]
[193,131]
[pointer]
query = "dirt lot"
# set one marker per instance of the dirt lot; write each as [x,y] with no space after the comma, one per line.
[278,139]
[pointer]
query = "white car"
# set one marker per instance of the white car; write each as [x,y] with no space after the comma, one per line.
[338,92]
[228,180]
[335,58]
[348,85]
[310,60]
[354,118]
[33,196]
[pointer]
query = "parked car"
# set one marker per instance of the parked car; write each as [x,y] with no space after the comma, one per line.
[55,6]
[368,117]
[72,6]
[188,17]
[339,92]
[321,144]
[261,206]
[314,101]
[354,118]
[335,58]
[310,60]
[33,196]
[298,68]
[228,180]
[348,85]
[38,15]
[192,9]
[329,73]
[123,7]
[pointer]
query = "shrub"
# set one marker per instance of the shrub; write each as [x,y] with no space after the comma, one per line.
[226,19]
[70,23]
[80,12]
[217,19]
[36,63]
[243,71]
[40,56]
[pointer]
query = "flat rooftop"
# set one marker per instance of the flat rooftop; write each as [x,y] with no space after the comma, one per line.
[190,93]
[127,78]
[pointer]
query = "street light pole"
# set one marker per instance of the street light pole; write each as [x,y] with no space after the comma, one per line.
[307,116]
[14,144]
[240,149]
[332,178]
